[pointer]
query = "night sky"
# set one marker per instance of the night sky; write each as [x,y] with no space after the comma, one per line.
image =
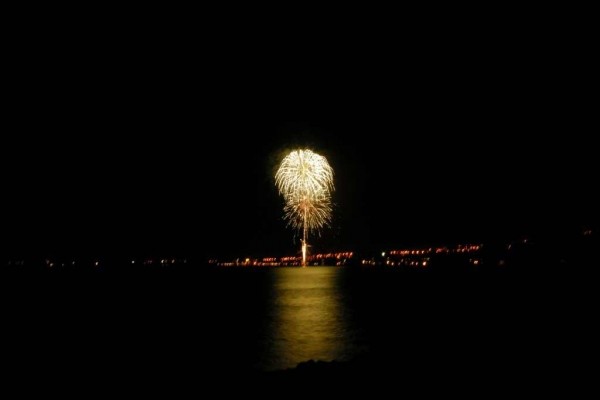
[143,152]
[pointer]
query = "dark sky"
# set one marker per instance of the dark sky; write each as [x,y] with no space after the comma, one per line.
[145,151]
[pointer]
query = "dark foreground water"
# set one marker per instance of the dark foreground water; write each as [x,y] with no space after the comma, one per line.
[190,322]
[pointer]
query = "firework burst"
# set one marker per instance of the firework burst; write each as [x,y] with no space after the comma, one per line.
[305,180]
[312,211]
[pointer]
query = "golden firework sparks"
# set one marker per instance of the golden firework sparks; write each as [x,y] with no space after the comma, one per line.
[305,180]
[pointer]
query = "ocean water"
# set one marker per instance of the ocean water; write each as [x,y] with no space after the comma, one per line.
[186,322]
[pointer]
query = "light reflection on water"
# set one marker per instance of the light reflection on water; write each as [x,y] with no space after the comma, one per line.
[307,318]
